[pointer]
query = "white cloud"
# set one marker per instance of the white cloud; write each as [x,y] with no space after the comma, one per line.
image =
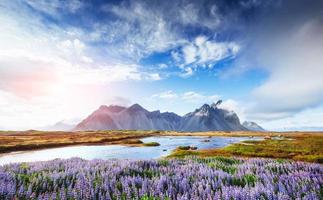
[55,7]
[143,28]
[203,53]
[71,45]
[190,53]
[176,56]
[295,65]
[139,32]
[86,59]
[235,106]
[194,14]
[286,45]
[188,71]
[154,76]
[165,95]
[308,118]
[190,97]
[163,66]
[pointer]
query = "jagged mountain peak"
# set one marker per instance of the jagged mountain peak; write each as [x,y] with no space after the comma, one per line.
[135,108]
[205,107]
[204,110]
[217,104]
[206,118]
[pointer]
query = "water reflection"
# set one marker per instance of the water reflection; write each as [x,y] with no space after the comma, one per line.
[167,144]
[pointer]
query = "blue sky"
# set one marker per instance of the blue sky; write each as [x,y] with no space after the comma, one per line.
[60,60]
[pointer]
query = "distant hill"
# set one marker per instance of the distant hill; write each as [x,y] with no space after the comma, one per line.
[59,126]
[205,118]
[252,126]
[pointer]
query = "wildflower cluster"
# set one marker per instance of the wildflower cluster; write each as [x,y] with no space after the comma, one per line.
[190,178]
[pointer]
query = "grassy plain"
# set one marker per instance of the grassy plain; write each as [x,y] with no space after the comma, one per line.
[297,146]
[305,146]
[31,140]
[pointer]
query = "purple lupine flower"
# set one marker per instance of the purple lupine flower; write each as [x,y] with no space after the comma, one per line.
[191,178]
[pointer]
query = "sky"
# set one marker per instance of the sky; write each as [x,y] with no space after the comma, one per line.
[61,60]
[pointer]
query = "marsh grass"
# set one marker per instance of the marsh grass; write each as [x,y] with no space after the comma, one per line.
[30,140]
[307,148]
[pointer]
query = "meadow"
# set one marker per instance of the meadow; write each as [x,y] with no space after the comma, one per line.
[223,173]
[302,146]
[189,178]
[33,139]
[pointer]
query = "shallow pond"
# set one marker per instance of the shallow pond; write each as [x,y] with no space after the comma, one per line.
[167,144]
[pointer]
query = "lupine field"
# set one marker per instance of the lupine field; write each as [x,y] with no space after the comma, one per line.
[190,178]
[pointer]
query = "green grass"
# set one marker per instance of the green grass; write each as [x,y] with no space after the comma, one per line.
[133,141]
[307,148]
[248,179]
[184,148]
[183,153]
[151,144]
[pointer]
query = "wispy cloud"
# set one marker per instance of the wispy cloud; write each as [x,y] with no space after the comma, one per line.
[166,95]
[190,96]
[204,53]
[55,8]
[145,28]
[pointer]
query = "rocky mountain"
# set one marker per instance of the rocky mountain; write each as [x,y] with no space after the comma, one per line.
[205,118]
[101,119]
[210,117]
[252,126]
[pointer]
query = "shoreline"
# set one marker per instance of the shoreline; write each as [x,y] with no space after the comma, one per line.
[122,142]
[19,142]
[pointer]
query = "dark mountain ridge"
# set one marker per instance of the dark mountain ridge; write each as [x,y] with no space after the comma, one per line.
[206,118]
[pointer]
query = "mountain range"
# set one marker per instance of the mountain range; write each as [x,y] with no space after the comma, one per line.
[206,118]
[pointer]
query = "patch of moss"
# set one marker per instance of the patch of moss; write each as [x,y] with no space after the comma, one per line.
[186,148]
[133,141]
[151,144]
[183,148]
